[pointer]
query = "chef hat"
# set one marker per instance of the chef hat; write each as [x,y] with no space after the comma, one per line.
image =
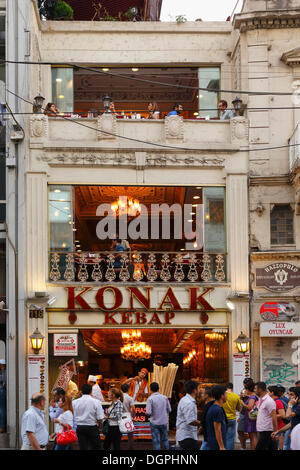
[92,378]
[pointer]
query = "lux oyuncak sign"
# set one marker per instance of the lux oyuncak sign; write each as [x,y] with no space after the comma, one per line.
[278,277]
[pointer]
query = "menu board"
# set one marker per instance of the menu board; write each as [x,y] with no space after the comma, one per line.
[36,375]
[241,370]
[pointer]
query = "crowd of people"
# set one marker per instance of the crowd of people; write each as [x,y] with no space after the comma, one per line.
[153,112]
[266,415]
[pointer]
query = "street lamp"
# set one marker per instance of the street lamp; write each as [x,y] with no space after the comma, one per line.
[134,11]
[38,104]
[238,106]
[106,102]
[36,340]
[242,343]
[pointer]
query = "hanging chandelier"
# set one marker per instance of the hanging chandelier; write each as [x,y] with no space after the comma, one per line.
[128,336]
[189,357]
[136,351]
[216,335]
[124,205]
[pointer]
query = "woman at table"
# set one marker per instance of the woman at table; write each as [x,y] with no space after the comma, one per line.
[153,111]
[51,110]
[113,415]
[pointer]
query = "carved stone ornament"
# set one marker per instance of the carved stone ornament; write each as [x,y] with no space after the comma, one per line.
[89,158]
[239,130]
[107,124]
[174,129]
[163,160]
[38,126]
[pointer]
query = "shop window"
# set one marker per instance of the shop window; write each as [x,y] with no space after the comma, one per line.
[214,220]
[62,225]
[282,225]
[62,88]
[209,77]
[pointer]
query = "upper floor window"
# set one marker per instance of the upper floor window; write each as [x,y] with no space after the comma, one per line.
[282,225]
[132,89]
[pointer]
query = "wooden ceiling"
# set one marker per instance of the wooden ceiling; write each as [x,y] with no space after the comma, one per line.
[130,94]
[161,340]
[88,198]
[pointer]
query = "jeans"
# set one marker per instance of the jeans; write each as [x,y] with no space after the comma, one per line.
[287,440]
[2,407]
[204,445]
[88,437]
[265,442]
[159,433]
[66,447]
[230,434]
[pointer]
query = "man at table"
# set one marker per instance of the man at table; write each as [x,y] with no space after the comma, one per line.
[138,388]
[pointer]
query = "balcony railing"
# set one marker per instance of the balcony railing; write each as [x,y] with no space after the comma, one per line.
[137,267]
[295,149]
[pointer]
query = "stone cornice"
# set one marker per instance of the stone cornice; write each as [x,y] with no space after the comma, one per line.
[275,19]
[269,180]
[292,57]
[275,256]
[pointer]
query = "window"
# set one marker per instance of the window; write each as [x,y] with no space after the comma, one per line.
[61,218]
[208,100]
[282,225]
[62,88]
[214,220]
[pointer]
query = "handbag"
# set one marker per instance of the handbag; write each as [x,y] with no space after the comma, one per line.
[105,425]
[126,424]
[253,413]
[66,437]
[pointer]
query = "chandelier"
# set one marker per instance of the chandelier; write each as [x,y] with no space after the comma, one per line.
[189,357]
[136,351]
[124,205]
[216,335]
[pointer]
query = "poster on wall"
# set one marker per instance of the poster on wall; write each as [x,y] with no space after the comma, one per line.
[36,375]
[65,344]
[241,370]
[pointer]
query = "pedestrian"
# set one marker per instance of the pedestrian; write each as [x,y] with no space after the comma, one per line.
[208,401]
[89,414]
[297,384]
[249,404]
[113,415]
[231,406]
[274,393]
[295,438]
[266,422]
[292,414]
[96,390]
[64,421]
[158,409]
[2,395]
[129,409]
[187,422]
[55,410]
[177,110]
[224,112]
[215,421]
[34,431]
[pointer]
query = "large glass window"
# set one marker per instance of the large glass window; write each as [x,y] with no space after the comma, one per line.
[214,219]
[62,226]
[62,88]
[282,225]
[209,77]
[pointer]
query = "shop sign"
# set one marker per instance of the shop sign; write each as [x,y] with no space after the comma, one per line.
[241,370]
[277,311]
[36,374]
[280,329]
[65,344]
[278,277]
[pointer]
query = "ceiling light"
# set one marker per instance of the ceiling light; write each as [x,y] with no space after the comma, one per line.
[59,80]
[196,197]
[105,69]
[61,96]
[57,190]
[135,69]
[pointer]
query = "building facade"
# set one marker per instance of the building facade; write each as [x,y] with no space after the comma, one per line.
[189,297]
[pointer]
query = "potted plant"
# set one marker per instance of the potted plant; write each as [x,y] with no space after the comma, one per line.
[63,11]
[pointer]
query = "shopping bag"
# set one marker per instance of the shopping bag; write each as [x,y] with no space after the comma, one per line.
[126,424]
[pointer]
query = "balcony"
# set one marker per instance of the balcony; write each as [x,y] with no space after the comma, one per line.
[139,267]
[295,150]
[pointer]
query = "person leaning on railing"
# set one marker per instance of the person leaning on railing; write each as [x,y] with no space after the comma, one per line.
[153,111]
[51,110]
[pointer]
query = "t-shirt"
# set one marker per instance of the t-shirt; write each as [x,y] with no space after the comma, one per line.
[279,406]
[295,438]
[203,417]
[215,414]
[232,405]
[295,419]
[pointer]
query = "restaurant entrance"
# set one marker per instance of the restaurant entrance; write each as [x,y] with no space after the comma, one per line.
[115,355]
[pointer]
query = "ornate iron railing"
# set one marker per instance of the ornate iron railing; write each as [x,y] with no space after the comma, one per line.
[137,267]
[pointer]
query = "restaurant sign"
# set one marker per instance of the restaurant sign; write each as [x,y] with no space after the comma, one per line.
[65,344]
[280,329]
[278,277]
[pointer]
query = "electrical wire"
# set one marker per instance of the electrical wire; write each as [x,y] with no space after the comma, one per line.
[155,144]
[215,90]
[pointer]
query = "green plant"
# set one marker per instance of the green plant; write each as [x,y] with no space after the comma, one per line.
[63,11]
[180,19]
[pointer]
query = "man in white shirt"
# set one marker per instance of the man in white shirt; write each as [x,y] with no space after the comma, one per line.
[34,430]
[96,390]
[295,438]
[89,414]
